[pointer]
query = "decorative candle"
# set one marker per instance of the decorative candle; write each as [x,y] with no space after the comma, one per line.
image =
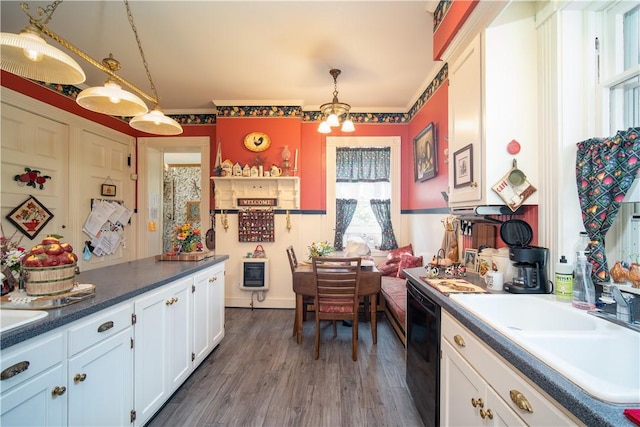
[295,161]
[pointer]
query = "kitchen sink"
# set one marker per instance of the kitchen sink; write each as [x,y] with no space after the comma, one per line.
[10,319]
[598,356]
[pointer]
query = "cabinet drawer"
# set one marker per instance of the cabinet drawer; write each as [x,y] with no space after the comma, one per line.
[26,360]
[99,327]
[504,378]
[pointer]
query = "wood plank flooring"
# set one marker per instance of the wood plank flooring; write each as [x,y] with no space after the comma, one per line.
[259,376]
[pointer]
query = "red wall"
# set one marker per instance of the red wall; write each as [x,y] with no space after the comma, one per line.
[451,23]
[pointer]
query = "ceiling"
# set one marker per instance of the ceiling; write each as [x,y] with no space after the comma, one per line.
[206,53]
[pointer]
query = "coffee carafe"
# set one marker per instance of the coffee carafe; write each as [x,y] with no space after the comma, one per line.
[530,276]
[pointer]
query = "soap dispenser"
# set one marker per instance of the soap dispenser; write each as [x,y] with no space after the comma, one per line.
[564,280]
[584,293]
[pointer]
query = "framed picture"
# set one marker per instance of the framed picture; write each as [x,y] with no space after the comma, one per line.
[470,258]
[193,211]
[108,190]
[30,217]
[425,154]
[463,167]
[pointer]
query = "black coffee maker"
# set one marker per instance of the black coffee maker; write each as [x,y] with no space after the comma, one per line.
[529,262]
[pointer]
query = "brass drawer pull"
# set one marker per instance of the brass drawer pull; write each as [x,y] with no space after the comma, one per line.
[486,414]
[14,370]
[105,326]
[477,402]
[520,401]
[459,340]
[78,378]
[58,391]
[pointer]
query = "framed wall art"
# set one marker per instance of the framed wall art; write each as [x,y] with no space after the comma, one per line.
[463,167]
[470,258]
[30,217]
[193,211]
[108,190]
[425,154]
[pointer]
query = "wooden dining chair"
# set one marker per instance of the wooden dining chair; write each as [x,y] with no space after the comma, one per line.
[307,301]
[337,282]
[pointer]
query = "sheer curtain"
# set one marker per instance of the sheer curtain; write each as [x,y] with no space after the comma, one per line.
[605,169]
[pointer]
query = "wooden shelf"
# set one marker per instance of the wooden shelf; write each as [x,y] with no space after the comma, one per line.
[285,189]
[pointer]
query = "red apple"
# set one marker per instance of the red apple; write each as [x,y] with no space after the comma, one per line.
[51,261]
[53,249]
[66,258]
[67,247]
[37,250]
[49,240]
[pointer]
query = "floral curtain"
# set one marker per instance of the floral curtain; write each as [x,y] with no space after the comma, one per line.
[382,211]
[605,169]
[345,208]
[370,164]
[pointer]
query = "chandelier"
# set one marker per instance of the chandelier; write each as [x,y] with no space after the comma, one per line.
[28,55]
[335,113]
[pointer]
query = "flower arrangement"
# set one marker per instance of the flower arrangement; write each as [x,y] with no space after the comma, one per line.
[11,255]
[320,249]
[186,238]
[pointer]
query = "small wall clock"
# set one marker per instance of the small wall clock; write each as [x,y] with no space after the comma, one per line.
[257,141]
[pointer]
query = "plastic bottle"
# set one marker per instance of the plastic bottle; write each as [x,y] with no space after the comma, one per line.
[583,242]
[584,293]
[564,280]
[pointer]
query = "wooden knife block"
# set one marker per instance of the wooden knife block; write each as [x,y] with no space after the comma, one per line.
[483,235]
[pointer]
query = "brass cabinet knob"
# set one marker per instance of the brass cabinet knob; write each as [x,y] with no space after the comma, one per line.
[520,401]
[486,414]
[78,378]
[58,391]
[213,279]
[477,402]
[459,340]
[473,184]
[175,299]
[168,302]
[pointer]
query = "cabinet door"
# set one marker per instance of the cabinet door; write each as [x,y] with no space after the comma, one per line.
[460,389]
[101,383]
[216,286]
[180,332]
[465,126]
[208,312]
[35,402]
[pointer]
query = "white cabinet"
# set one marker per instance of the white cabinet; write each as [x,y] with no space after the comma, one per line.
[478,388]
[492,101]
[208,312]
[33,383]
[162,344]
[100,373]
[231,191]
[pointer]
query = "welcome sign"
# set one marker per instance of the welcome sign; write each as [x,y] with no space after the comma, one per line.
[258,202]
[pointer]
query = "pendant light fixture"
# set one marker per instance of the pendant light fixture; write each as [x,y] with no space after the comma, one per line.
[45,63]
[335,112]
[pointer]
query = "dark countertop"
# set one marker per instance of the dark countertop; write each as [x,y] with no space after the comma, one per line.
[589,410]
[114,284]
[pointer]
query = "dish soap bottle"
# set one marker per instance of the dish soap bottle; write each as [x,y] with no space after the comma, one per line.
[564,280]
[584,293]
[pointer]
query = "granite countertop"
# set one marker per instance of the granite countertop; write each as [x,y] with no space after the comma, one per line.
[114,284]
[589,410]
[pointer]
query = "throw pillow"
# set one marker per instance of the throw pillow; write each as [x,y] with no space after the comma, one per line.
[388,269]
[395,254]
[408,261]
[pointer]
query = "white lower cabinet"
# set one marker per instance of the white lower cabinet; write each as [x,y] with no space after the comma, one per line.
[208,312]
[33,383]
[478,388]
[162,346]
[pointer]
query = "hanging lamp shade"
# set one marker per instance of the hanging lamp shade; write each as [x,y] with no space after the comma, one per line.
[347,125]
[111,99]
[155,122]
[28,55]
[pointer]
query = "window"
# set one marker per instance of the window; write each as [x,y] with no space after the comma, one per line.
[363,223]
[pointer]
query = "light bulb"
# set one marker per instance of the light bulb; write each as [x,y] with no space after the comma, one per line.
[33,55]
[324,127]
[347,126]
[332,120]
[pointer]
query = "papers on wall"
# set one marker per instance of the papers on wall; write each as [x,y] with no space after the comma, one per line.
[105,225]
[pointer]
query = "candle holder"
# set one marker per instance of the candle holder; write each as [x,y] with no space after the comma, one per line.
[286,166]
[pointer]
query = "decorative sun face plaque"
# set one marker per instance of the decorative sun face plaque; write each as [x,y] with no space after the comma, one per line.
[30,217]
[257,141]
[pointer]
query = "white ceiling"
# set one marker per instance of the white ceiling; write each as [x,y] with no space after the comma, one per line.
[255,52]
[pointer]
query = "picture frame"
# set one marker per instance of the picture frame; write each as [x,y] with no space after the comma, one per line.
[193,211]
[30,217]
[470,259]
[108,190]
[463,167]
[425,154]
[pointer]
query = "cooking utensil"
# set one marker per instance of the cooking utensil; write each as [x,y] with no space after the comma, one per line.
[210,237]
[516,176]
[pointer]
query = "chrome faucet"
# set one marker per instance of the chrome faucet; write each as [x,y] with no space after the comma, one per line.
[624,305]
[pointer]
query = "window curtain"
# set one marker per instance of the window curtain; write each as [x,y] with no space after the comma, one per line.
[382,211]
[605,169]
[345,208]
[370,164]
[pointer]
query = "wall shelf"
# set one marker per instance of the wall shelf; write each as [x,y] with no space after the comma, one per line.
[285,189]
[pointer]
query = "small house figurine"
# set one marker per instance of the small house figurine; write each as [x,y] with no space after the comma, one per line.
[237,170]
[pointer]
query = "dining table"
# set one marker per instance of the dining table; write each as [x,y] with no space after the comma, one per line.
[369,287]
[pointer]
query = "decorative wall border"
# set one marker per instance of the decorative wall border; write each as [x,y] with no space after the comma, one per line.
[285,111]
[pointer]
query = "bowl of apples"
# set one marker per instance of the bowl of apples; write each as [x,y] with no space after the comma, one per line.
[49,268]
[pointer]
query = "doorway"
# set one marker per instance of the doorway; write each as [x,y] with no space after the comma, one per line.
[192,182]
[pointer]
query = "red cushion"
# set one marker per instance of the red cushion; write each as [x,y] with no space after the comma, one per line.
[388,269]
[336,305]
[408,261]
[395,295]
[395,254]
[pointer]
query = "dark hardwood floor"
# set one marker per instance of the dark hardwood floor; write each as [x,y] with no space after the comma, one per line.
[259,376]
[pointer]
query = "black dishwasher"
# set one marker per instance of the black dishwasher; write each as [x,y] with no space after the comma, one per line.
[423,354]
